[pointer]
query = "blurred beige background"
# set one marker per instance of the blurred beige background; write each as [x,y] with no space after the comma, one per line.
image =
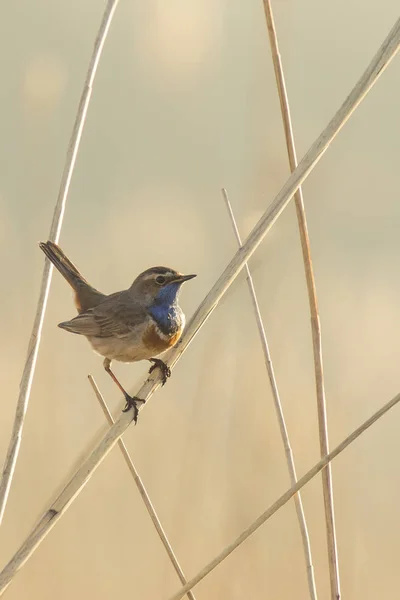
[184,103]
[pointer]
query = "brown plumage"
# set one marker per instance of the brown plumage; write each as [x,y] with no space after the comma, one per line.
[134,324]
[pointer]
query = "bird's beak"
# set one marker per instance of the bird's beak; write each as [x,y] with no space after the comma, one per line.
[183,278]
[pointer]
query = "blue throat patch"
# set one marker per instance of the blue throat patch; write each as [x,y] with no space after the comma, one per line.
[165,310]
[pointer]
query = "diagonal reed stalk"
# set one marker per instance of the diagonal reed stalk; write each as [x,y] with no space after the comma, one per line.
[313,303]
[73,487]
[279,413]
[142,490]
[282,500]
[25,385]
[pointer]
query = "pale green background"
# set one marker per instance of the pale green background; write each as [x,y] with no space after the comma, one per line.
[184,103]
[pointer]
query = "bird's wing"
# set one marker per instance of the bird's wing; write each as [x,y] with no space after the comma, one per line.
[117,316]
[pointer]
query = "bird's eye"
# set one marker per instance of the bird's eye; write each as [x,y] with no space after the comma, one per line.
[160,280]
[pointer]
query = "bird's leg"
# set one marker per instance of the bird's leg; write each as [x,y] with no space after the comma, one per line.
[165,370]
[130,400]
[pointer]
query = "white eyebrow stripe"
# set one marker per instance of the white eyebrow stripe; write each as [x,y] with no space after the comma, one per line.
[155,274]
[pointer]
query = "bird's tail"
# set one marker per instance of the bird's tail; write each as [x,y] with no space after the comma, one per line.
[85,295]
[63,264]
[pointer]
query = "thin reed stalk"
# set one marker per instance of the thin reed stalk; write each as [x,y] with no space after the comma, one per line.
[282,500]
[327,485]
[142,490]
[279,413]
[74,485]
[25,385]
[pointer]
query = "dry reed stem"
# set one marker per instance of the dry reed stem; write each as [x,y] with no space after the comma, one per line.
[279,413]
[313,303]
[282,500]
[55,229]
[142,490]
[74,485]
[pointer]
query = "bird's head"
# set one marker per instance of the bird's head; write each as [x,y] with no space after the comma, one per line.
[159,285]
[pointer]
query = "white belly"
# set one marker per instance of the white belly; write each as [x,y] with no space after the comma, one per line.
[143,343]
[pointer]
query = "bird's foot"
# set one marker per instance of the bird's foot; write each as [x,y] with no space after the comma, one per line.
[165,370]
[131,402]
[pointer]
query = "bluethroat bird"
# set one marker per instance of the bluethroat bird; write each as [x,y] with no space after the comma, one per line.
[135,324]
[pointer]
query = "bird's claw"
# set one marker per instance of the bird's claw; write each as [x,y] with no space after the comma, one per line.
[165,370]
[131,402]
